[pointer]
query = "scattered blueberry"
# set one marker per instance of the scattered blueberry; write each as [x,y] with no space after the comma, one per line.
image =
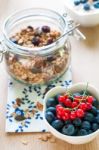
[67,122]
[77,2]
[90,131]
[83,1]
[95,103]
[94,110]
[96,5]
[86,7]
[68,130]
[89,117]
[49,117]
[51,102]
[56,97]
[82,132]
[86,125]
[97,119]
[95,126]
[97,111]
[57,124]
[51,109]
[77,122]
[76,131]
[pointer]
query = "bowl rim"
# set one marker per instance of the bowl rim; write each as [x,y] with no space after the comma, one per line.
[64,88]
[90,13]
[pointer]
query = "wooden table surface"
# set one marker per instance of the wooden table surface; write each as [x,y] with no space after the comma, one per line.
[85,62]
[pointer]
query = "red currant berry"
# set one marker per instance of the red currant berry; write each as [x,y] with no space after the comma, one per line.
[58,116]
[68,102]
[74,104]
[65,117]
[60,111]
[80,113]
[73,115]
[89,106]
[58,106]
[63,112]
[76,100]
[90,99]
[66,96]
[67,111]
[61,99]
[83,106]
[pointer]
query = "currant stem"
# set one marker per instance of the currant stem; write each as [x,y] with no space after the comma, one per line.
[80,100]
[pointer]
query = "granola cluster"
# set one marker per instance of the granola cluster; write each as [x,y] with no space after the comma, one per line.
[35,37]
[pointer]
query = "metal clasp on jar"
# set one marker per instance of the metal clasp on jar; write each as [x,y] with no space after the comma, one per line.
[2,51]
[70,24]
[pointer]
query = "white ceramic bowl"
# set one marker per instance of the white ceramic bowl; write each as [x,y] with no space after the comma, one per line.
[74,88]
[85,18]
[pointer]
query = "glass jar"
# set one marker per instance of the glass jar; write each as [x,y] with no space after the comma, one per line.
[38,65]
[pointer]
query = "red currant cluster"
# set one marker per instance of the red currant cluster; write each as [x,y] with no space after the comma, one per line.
[69,109]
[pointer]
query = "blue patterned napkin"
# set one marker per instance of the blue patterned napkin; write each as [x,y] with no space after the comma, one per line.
[25,104]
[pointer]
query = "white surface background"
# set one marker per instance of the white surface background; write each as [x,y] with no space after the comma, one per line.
[10,6]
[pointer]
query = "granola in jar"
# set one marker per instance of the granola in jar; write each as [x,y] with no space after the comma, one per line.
[37,53]
[37,69]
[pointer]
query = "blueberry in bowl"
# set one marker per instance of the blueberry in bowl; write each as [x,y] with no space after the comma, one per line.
[72,114]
